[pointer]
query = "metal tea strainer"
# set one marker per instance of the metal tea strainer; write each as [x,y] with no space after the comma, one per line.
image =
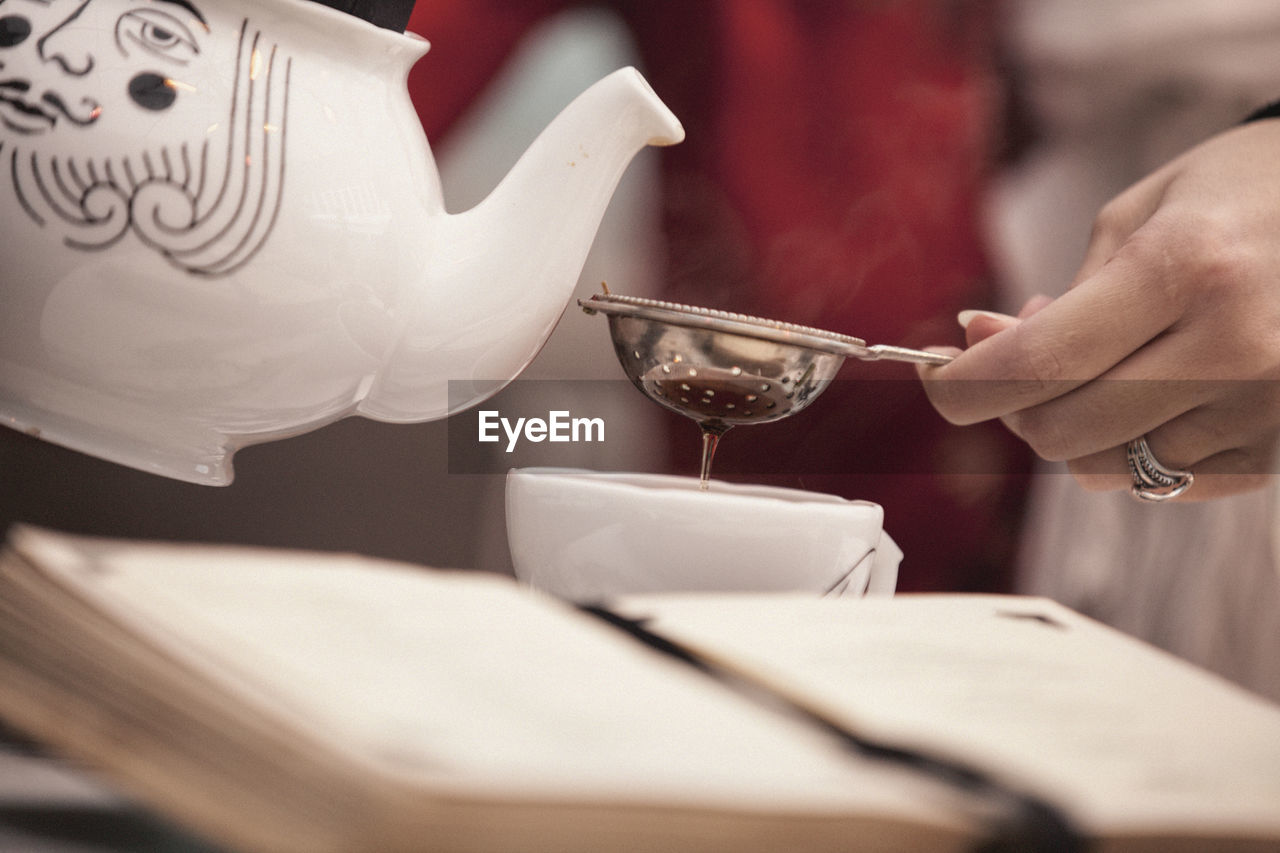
[723,369]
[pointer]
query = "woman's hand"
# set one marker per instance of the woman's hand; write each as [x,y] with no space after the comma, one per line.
[1171,329]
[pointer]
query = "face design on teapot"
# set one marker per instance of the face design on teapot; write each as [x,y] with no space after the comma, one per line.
[142,120]
[154,42]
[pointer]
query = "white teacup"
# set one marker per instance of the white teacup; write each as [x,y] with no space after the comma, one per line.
[591,535]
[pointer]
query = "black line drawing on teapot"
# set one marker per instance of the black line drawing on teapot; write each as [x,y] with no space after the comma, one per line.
[203,195]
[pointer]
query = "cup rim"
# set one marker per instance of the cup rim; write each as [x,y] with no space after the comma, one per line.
[672,485]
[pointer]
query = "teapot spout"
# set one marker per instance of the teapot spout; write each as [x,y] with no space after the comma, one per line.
[501,273]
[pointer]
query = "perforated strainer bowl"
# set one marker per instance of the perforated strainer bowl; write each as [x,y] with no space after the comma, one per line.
[724,369]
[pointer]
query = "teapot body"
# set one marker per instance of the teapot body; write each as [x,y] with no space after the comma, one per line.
[223,225]
[213,216]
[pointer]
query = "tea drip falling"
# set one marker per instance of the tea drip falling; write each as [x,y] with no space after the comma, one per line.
[723,369]
[718,399]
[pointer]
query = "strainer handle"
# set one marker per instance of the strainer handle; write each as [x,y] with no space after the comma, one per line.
[882,351]
[891,353]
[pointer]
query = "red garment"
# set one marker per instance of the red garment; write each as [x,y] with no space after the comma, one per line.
[830,174]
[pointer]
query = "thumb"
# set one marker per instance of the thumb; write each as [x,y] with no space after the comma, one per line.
[1033,305]
[980,325]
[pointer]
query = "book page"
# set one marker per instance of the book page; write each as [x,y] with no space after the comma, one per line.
[469,683]
[1127,738]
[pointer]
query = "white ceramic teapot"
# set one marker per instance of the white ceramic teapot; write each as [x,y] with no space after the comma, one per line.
[222,225]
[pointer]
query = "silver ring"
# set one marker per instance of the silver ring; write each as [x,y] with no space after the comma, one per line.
[1153,481]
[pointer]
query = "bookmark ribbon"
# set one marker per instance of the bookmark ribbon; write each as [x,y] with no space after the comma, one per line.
[1025,822]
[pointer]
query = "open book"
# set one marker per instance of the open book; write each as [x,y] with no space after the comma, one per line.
[292,701]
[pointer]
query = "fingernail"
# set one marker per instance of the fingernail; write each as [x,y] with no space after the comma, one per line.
[964,318]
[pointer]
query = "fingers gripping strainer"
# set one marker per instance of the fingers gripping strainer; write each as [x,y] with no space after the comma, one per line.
[723,369]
